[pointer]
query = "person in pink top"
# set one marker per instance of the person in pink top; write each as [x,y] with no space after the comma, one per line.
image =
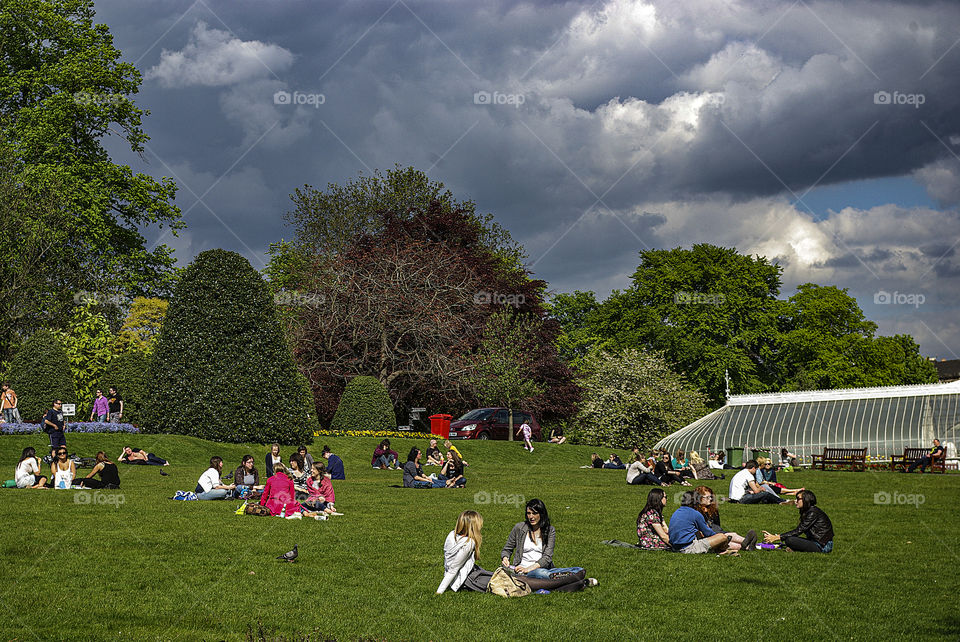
[278,495]
[321,491]
[101,408]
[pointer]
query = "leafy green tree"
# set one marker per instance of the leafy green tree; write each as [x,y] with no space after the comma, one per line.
[222,369]
[632,397]
[89,345]
[40,373]
[127,372]
[365,405]
[578,317]
[63,87]
[709,309]
[142,325]
[503,374]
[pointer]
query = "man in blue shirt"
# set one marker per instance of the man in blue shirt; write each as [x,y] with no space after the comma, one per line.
[334,464]
[686,522]
[53,425]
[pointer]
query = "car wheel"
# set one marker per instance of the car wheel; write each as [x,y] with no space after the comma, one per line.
[484,436]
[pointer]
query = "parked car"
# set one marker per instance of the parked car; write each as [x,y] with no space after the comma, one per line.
[492,423]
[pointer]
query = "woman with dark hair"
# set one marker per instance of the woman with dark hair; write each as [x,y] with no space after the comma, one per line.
[28,470]
[246,476]
[334,463]
[787,458]
[452,472]
[706,504]
[814,525]
[652,532]
[62,470]
[531,542]
[413,476]
[384,457]
[109,475]
[665,473]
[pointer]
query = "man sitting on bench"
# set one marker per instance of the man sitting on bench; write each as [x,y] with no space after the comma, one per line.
[935,453]
[745,490]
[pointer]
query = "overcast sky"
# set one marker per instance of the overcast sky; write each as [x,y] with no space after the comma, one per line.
[822,135]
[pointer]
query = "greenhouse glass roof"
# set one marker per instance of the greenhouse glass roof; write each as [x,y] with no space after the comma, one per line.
[883,420]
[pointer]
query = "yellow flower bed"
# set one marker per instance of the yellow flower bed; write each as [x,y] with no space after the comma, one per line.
[373,433]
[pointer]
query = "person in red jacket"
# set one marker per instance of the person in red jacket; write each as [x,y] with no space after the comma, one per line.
[278,495]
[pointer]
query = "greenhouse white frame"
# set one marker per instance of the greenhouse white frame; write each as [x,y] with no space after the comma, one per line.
[882,420]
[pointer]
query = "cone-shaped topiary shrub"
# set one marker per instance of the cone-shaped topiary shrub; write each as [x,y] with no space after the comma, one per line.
[222,369]
[40,374]
[365,405]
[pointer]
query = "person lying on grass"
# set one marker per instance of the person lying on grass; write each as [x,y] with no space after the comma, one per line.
[279,496]
[461,550]
[706,505]
[320,491]
[686,523]
[413,476]
[28,470]
[109,475]
[767,478]
[614,462]
[143,458]
[652,533]
[814,533]
[531,542]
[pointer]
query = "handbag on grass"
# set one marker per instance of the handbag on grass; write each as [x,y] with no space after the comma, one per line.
[504,584]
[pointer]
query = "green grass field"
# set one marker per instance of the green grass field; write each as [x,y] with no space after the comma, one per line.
[140,566]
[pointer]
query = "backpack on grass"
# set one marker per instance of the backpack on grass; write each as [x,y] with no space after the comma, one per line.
[506,585]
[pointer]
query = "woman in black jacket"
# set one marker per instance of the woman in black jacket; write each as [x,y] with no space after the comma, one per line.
[814,523]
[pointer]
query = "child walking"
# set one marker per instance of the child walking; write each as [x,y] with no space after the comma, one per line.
[527,433]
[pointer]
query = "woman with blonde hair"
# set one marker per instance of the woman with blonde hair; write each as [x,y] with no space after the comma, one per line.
[701,470]
[460,552]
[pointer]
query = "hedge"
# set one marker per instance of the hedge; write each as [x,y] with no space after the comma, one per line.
[365,405]
[40,374]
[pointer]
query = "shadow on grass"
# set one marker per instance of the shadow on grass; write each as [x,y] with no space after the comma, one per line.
[261,634]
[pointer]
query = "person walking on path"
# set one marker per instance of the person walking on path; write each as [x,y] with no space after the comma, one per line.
[101,408]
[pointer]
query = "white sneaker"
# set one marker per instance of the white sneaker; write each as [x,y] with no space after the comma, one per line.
[320,517]
[297,515]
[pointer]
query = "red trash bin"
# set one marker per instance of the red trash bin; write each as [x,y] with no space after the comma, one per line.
[440,425]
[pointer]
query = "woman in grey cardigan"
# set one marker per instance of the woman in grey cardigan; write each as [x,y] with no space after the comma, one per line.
[531,543]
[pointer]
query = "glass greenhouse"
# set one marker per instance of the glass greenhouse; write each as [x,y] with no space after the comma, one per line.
[882,420]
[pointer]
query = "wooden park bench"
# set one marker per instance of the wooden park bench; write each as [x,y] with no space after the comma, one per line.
[910,455]
[856,458]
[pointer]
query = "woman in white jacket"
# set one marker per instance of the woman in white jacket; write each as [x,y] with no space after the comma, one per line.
[460,552]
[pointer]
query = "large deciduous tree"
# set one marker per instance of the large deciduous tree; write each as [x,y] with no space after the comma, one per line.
[63,89]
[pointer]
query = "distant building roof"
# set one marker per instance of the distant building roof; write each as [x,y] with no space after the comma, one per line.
[948,370]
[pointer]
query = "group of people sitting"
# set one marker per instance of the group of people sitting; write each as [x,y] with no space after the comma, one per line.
[451,468]
[293,492]
[658,467]
[757,484]
[63,472]
[527,555]
[695,526]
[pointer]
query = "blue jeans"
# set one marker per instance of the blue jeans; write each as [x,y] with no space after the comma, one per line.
[214,493]
[549,573]
[761,498]
[383,461]
[102,418]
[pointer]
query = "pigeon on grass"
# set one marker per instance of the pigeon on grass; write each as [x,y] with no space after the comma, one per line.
[289,556]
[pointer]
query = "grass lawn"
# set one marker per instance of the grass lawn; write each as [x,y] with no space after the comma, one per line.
[151,568]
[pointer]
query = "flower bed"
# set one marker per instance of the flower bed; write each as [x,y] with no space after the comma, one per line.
[82,426]
[388,434]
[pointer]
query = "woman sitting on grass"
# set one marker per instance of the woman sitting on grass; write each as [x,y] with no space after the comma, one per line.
[273,458]
[320,491]
[638,473]
[451,475]
[531,542]
[413,476]
[767,478]
[246,476]
[666,474]
[706,504]
[278,495]
[28,470]
[62,470]
[814,533]
[109,475]
[384,457]
[652,531]
[700,468]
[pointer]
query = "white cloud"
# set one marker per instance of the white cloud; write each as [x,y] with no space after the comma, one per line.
[215,58]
